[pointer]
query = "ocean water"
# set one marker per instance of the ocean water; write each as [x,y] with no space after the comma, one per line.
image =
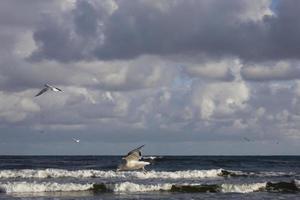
[168,177]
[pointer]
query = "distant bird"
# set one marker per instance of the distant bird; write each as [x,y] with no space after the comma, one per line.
[76,140]
[46,88]
[247,139]
[132,161]
[109,96]
[149,157]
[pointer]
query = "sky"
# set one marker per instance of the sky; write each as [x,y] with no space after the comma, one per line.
[184,77]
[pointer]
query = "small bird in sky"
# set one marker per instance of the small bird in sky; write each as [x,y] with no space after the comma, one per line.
[247,139]
[76,140]
[109,96]
[46,88]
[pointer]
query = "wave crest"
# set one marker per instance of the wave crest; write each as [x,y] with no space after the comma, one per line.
[243,188]
[130,187]
[59,173]
[34,187]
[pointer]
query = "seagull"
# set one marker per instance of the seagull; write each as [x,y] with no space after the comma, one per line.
[48,87]
[76,140]
[132,161]
[247,139]
[109,96]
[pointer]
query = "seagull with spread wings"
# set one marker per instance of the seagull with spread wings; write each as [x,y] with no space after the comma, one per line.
[132,161]
[46,88]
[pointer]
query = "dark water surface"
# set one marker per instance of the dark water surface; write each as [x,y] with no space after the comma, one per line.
[168,177]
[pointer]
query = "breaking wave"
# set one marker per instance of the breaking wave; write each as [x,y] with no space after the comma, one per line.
[25,187]
[243,188]
[231,173]
[59,173]
[129,187]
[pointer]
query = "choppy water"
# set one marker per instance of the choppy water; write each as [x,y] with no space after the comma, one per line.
[176,177]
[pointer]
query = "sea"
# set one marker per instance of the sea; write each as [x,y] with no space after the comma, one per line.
[168,177]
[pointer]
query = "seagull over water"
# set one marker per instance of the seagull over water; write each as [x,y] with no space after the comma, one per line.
[76,140]
[132,161]
[46,88]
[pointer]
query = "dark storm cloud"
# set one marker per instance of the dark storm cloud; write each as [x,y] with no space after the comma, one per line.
[55,42]
[212,28]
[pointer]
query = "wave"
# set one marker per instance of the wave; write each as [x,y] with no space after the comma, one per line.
[231,173]
[187,174]
[60,173]
[129,187]
[34,187]
[134,187]
[243,188]
[282,187]
[297,182]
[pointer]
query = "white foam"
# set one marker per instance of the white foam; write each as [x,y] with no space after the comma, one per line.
[261,174]
[34,187]
[59,173]
[242,188]
[297,182]
[189,174]
[126,187]
[25,187]
[270,174]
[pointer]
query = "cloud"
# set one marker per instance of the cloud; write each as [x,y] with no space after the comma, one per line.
[220,99]
[272,71]
[128,29]
[15,108]
[224,70]
[180,73]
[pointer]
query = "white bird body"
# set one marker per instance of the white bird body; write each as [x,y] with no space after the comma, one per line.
[76,140]
[132,161]
[55,89]
[109,96]
[136,164]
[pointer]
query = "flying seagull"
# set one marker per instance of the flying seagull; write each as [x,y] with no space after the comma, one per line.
[48,87]
[109,96]
[76,140]
[132,161]
[247,139]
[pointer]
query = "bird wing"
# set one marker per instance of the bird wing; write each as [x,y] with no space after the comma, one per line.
[41,92]
[135,154]
[57,89]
